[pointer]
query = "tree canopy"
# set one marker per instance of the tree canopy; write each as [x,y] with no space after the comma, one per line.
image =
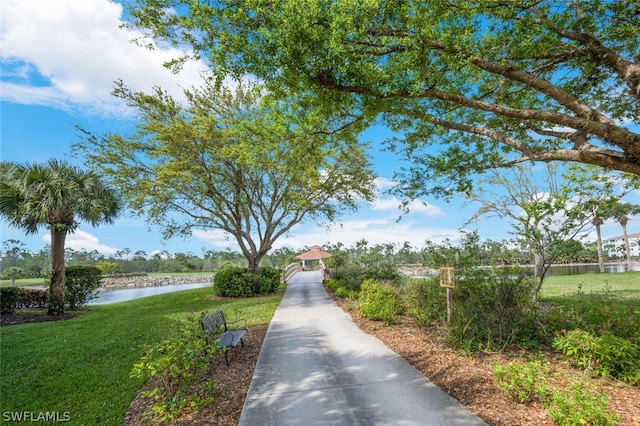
[467,85]
[232,160]
[545,213]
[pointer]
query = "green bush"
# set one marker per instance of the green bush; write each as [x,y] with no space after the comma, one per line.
[605,355]
[231,282]
[82,283]
[494,308]
[179,368]
[340,290]
[8,299]
[333,284]
[385,272]
[379,303]
[345,293]
[30,298]
[351,277]
[427,300]
[235,281]
[577,405]
[270,279]
[522,382]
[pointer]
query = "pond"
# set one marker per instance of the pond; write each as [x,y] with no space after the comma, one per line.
[114,295]
[577,269]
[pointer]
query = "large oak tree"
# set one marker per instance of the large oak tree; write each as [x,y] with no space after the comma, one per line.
[232,160]
[468,85]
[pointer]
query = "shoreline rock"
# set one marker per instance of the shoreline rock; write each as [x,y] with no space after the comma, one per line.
[154,281]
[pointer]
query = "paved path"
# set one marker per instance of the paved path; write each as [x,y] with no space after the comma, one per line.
[317,367]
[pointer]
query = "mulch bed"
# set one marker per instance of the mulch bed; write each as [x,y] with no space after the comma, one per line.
[27,317]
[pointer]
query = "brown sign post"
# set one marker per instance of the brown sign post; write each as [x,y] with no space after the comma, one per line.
[447,280]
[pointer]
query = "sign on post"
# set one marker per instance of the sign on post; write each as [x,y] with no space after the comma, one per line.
[447,278]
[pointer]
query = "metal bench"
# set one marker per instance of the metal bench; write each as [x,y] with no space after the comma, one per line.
[215,326]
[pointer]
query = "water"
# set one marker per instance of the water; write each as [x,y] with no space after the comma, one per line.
[577,269]
[109,295]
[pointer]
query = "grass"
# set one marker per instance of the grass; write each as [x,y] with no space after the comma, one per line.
[626,285]
[81,366]
[22,282]
[596,303]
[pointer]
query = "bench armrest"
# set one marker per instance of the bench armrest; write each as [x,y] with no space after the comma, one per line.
[242,323]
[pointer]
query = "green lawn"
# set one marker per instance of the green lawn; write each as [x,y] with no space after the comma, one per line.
[624,285]
[81,366]
[23,282]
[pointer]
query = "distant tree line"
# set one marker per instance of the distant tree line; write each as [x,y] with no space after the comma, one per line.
[14,256]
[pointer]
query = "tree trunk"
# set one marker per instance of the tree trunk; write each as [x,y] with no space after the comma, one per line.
[254,262]
[537,265]
[56,288]
[627,245]
[600,251]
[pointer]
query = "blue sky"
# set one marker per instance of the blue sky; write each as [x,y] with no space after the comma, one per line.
[58,63]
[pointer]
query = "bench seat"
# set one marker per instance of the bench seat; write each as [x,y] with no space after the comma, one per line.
[216,329]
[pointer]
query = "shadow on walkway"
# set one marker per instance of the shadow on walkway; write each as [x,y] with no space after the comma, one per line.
[317,367]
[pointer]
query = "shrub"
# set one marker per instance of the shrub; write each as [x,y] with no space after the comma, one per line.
[351,277]
[178,368]
[605,355]
[29,298]
[384,272]
[577,405]
[81,285]
[333,284]
[574,405]
[8,299]
[270,279]
[493,308]
[234,281]
[230,282]
[345,293]
[522,382]
[427,300]
[379,303]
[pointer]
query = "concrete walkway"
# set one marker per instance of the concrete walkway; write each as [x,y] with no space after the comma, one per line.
[317,367]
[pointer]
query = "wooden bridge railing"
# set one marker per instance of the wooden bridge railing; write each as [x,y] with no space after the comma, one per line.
[290,270]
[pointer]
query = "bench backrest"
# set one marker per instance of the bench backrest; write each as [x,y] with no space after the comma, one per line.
[213,321]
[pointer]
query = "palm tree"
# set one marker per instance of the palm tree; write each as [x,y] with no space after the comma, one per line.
[53,194]
[621,212]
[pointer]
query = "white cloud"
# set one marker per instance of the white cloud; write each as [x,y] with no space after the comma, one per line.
[383,183]
[216,238]
[373,231]
[414,206]
[69,52]
[348,233]
[80,240]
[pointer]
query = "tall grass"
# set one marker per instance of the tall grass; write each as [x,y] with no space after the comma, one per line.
[81,366]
